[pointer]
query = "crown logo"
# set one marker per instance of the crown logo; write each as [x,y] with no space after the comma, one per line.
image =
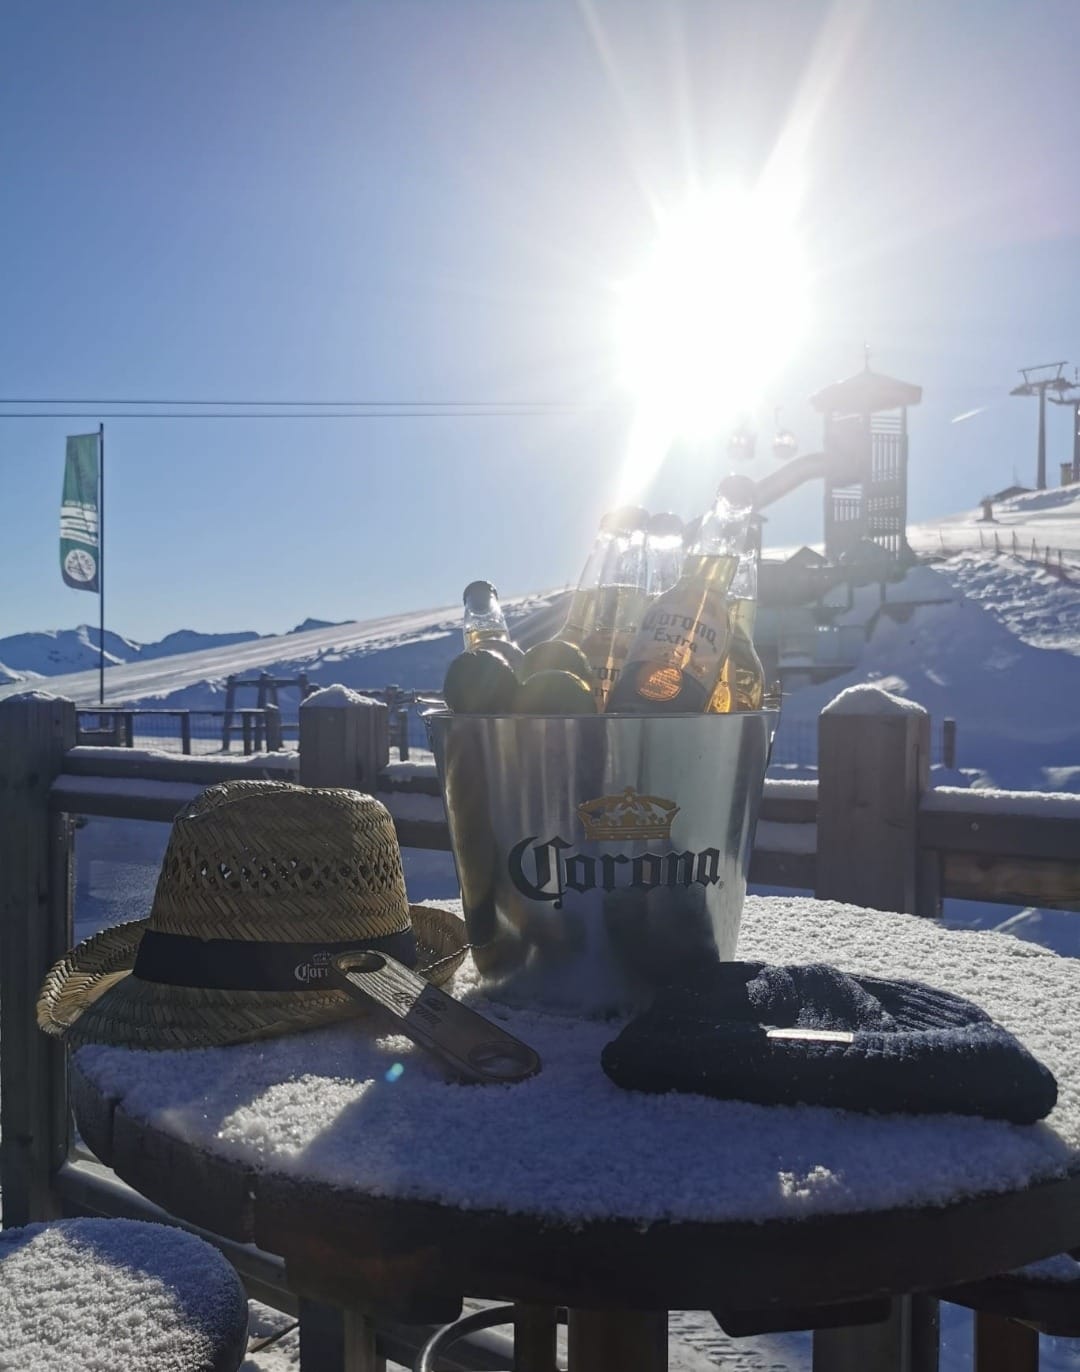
[628,815]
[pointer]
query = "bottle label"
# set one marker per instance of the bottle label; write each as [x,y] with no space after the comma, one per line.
[695,642]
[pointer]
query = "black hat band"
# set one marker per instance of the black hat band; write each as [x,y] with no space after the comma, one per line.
[221,964]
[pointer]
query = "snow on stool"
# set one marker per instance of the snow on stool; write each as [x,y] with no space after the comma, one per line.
[104,1294]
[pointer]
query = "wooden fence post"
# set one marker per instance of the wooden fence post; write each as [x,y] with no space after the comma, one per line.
[272,716]
[873,766]
[36,730]
[344,740]
[948,742]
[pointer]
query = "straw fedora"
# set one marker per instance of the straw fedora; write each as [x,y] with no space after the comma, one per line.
[261,884]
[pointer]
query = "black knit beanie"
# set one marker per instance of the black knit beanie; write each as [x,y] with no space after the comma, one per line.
[817,1036]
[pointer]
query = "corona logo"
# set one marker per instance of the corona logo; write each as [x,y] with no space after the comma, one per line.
[315,970]
[609,819]
[547,869]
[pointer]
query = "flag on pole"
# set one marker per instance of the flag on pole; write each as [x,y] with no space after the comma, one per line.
[79,546]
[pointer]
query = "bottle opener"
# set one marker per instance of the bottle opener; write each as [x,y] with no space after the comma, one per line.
[470,1045]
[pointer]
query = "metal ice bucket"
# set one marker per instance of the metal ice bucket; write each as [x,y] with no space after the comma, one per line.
[600,855]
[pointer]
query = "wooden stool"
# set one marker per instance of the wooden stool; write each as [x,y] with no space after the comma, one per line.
[142,1297]
[1013,1309]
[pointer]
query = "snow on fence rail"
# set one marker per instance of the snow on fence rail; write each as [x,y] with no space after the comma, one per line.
[869,831]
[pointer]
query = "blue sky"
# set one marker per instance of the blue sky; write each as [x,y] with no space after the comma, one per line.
[434,200]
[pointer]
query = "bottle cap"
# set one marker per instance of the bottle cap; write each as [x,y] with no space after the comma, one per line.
[481,593]
[627,518]
[740,492]
[665,523]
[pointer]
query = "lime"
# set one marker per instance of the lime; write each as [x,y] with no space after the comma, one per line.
[554,693]
[479,683]
[556,655]
[510,653]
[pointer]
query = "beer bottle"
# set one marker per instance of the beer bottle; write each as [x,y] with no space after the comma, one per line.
[484,620]
[679,652]
[742,680]
[583,601]
[664,550]
[621,601]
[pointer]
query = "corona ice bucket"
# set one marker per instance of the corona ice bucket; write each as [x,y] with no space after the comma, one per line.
[600,855]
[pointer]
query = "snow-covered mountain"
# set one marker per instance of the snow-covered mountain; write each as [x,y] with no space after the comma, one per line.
[410,650]
[58,652]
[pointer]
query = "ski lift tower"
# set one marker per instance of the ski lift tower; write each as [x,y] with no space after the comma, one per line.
[866,456]
[1071,397]
[1033,384]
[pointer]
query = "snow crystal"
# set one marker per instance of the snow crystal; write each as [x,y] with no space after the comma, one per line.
[570,1144]
[866,699]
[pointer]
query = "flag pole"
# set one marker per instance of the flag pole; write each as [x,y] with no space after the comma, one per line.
[101,564]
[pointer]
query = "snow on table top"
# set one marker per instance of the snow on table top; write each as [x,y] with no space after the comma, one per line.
[331,1106]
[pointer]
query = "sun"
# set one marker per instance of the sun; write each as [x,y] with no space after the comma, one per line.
[718,307]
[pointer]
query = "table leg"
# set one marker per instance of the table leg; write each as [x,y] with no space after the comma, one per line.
[1003,1345]
[617,1340]
[905,1342]
[535,1329]
[335,1340]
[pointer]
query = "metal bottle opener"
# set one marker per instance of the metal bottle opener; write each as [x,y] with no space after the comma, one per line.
[471,1046]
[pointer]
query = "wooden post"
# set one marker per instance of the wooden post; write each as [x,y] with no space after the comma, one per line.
[226,723]
[948,741]
[873,766]
[335,1340]
[343,741]
[272,715]
[535,1331]
[185,731]
[1003,1345]
[245,728]
[617,1341]
[36,730]
[906,1342]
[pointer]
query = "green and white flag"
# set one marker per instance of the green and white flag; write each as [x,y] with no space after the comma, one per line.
[79,547]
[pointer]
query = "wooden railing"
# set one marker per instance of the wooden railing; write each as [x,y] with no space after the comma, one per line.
[260,728]
[870,831]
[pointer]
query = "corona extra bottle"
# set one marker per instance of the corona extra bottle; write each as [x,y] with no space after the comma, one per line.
[664,550]
[679,651]
[742,680]
[579,617]
[621,601]
[484,620]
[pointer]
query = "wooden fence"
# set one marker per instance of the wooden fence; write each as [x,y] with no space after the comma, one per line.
[870,831]
[260,728]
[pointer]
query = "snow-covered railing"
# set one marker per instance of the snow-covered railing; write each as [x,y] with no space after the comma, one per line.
[260,727]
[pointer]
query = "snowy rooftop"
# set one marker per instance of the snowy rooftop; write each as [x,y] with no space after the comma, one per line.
[569,1143]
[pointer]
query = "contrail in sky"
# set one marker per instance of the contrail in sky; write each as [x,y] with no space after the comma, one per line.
[969,414]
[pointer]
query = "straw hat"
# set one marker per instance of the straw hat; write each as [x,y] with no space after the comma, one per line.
[261,883]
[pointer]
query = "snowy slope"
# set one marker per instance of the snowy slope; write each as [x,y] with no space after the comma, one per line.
[1049,518]
[409,650]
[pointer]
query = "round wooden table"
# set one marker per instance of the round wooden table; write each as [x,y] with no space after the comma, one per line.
[387,1188]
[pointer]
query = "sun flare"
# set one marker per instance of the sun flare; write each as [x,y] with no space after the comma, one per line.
[718,307]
